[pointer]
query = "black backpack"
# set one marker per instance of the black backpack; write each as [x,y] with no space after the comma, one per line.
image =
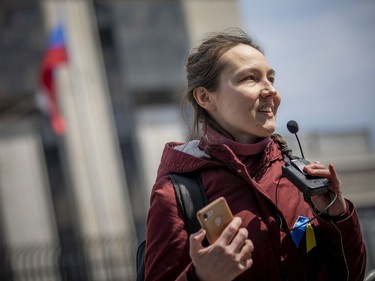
[191,196]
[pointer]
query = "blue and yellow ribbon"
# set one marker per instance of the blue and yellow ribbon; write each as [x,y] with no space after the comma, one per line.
[301,227]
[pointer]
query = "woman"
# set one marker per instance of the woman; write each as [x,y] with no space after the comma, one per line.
[231,88]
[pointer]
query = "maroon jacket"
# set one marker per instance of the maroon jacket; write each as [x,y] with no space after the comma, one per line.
[249,177]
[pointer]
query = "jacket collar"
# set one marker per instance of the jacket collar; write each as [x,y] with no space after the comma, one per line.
[213,150]
[213,138]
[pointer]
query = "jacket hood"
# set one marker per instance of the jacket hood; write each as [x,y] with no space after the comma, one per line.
[184,158]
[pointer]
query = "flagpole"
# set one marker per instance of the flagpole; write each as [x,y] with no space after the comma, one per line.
[90,140]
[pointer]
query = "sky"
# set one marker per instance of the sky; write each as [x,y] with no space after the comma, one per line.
[323,54]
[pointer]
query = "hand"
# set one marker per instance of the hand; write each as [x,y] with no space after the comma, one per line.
[225,259]
[321,201]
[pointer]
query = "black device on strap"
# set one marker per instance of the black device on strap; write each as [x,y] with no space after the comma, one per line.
[191,196]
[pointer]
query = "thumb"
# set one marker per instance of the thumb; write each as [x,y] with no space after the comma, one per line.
[196,240]
[335,182]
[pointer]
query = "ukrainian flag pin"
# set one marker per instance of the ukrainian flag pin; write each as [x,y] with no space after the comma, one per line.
[301,227]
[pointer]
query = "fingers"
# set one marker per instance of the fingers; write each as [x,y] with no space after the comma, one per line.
[239,240]
[239,244]
[229,256]
[236,237]
[230,231]
[335,181]
[246,264]
[196,240]
[246,249]
[334,178]
[244,252]
[316,166]
[320,170]
[246,255]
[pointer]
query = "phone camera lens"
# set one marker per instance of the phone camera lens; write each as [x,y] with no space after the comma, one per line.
[205,216]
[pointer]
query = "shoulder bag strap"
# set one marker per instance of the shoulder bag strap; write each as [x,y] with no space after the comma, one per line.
[192,197]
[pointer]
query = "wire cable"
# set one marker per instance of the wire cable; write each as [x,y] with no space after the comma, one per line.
[308,199]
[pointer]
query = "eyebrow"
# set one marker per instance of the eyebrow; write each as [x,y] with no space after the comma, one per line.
[253,69]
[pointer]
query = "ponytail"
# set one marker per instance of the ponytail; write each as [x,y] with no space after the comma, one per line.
[280,142]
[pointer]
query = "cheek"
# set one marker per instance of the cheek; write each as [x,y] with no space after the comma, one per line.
[252,106]
[277,102]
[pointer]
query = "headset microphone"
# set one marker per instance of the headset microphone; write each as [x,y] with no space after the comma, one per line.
[293,128]
[293,169]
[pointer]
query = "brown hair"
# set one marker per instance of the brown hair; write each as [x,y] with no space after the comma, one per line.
[203,69]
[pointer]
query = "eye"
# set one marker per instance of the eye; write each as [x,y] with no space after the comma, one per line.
[250,77]
[271,79]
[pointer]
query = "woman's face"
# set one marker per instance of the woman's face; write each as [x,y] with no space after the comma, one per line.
[246,101]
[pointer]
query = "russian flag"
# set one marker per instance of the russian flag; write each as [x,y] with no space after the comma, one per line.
[55,55]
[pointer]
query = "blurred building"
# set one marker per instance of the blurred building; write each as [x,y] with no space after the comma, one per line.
[78,202]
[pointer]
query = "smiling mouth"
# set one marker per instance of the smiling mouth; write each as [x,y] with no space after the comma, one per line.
[266,111]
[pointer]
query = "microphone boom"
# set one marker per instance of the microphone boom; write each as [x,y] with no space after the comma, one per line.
[293,128]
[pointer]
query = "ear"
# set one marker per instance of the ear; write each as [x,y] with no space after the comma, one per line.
[204,98]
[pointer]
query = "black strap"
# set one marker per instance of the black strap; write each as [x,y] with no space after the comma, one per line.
[192,197]
[141,251]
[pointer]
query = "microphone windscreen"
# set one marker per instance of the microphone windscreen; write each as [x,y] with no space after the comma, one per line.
[292,126]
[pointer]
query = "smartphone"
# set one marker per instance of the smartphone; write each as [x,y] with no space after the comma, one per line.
[214,217]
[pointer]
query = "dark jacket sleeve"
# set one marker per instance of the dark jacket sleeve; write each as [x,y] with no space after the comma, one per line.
[167,248]
[349,249]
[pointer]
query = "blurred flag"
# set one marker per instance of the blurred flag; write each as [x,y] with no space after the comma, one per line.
[55,55]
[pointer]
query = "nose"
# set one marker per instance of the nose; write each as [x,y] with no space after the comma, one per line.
[268,90]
